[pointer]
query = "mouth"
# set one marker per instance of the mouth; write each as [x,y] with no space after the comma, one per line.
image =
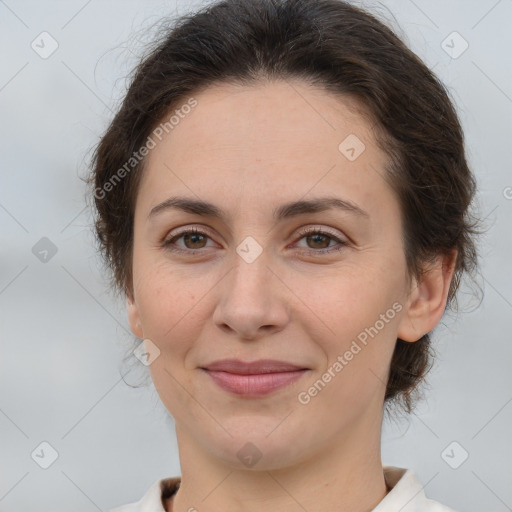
[252,379]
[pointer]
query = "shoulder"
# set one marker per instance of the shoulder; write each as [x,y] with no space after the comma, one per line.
[153,499]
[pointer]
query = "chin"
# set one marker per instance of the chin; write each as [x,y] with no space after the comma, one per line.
[257,445]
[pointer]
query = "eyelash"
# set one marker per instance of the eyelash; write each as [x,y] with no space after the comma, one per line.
[309,231]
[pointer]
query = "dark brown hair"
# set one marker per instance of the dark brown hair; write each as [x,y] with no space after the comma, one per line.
[329,44]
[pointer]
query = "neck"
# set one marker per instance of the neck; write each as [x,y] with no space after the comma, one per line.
[342,476]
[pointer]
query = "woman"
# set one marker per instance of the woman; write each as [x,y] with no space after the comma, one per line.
[283,198]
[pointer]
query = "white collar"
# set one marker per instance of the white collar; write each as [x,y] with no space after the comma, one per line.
[406,495]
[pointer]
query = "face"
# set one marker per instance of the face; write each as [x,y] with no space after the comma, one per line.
[324,290]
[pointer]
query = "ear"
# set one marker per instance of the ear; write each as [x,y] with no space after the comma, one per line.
[427,299]
[133,316]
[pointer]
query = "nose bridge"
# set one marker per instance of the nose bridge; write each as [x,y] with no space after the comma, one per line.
[249,298]
[250,276]
[252,254]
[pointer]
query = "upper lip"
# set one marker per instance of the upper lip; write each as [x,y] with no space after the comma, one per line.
[252,367]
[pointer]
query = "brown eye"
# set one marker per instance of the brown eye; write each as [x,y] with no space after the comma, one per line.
[193,240]
[196,240]
[318,241]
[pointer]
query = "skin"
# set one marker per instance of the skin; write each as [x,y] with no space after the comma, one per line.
[249,150]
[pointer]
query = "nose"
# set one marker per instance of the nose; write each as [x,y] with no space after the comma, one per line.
[253,301]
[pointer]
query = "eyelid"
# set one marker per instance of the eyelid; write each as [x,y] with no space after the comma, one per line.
[321,229]
[186,228]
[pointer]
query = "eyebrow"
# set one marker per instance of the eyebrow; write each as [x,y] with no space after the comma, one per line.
[285,211]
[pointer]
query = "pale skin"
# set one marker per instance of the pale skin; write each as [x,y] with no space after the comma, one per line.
[249,150]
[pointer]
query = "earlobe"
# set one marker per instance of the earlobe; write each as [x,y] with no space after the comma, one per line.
[133,317]
[427,299]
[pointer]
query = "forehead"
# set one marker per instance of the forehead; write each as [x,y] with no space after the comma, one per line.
[273,139]
[265,117]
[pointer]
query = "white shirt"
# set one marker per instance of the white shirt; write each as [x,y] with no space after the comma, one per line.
[406,495]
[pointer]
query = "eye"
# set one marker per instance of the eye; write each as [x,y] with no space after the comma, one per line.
[318,238]
[193,239]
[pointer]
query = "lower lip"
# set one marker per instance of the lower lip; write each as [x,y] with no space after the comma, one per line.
[254,385]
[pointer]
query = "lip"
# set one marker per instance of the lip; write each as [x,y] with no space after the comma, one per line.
[252,367]
[254,378]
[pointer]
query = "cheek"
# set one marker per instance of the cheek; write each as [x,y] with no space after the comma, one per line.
[169,313]
[169,305]
[359,318]
[347,300]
